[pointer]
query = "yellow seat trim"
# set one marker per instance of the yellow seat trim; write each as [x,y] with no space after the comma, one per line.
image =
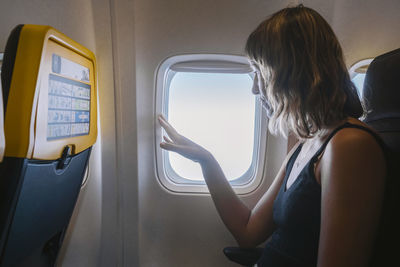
[26,115]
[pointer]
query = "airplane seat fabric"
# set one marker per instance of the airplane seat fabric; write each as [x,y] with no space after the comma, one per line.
[381,93]
[41,176]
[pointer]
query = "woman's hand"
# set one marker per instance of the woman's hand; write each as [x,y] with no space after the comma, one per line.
[182,145]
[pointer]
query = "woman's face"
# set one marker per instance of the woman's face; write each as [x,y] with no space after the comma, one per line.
[258,82]
[259,87]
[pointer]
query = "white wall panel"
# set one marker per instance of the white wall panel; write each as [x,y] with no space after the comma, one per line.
[366,28]
[123,52]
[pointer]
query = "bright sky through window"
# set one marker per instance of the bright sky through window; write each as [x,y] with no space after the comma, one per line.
[217,111]
[358,81]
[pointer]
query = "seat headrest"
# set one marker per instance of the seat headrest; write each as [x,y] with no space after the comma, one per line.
[381,90]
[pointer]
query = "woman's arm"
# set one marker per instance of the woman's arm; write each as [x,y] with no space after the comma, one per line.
[352,172]
[249,227]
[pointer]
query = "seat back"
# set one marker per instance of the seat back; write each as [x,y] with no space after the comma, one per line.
[49,88]
[382,98]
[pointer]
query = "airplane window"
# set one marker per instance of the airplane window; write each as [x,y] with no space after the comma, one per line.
[216,110]
[357,73]
[358,81]
[208,99]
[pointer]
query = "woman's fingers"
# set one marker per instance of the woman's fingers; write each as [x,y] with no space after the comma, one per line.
[168,128]
[173,135]
[187,152]
[172,147]
[166,146]
[162,117]
[177,143]
[166,138]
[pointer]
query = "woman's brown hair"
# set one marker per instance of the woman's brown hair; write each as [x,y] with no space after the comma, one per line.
[306,80]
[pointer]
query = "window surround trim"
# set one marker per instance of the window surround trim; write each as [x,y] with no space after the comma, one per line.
[211,63]
[359,67]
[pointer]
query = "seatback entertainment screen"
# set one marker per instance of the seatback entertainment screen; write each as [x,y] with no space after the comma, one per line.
[68,99]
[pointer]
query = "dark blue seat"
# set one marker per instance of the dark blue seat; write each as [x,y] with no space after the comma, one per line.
[382,98]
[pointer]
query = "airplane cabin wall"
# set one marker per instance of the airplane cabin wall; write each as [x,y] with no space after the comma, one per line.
[366,29]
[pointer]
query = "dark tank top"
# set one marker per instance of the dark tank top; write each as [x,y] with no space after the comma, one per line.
[297,214]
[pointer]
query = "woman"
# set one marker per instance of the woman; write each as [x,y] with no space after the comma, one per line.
[324,205]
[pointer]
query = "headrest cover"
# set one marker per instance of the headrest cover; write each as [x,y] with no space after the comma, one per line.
[382,87]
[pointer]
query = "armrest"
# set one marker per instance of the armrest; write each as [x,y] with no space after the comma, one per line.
[243,256]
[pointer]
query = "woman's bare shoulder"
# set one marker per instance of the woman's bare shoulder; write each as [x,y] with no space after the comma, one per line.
[354,150]
[355,140]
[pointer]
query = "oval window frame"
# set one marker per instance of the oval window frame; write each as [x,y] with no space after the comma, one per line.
[222,63]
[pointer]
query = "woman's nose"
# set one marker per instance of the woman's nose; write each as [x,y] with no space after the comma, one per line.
[255,90]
